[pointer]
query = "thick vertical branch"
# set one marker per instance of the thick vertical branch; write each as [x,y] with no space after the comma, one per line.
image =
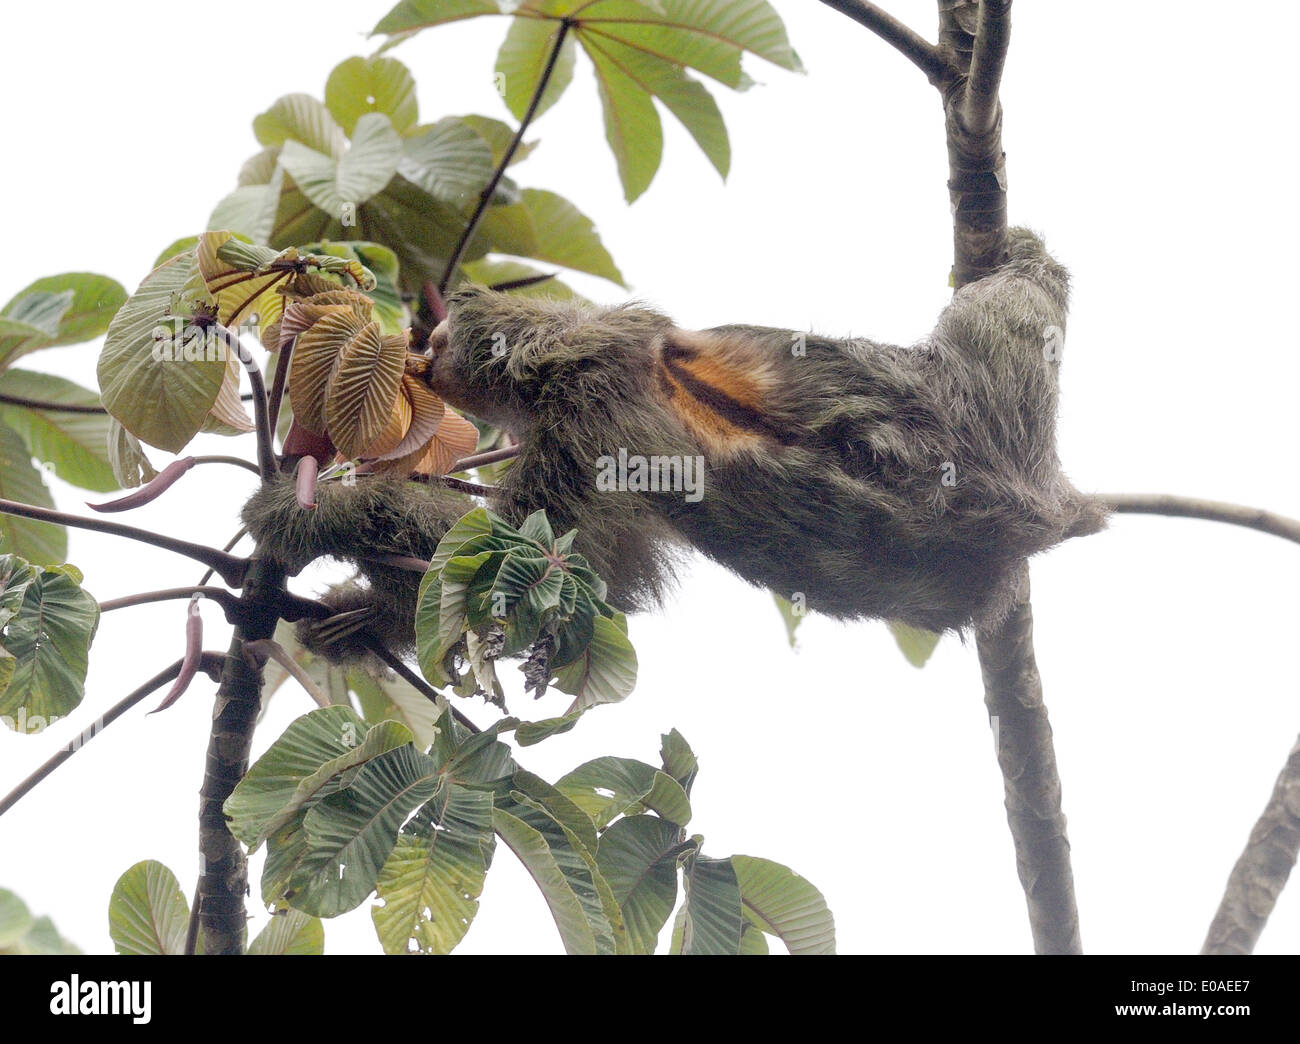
[979,31]
[1013,693]
[223,870]
[1262,869]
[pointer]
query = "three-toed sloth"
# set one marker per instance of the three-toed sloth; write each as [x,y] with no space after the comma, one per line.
[860,479]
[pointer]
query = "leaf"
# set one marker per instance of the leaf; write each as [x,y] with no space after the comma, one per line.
[359,85]
[148,914]
[791,617]
[76,444]
[364,388]
[547,227]
[637,857]
[130,466]
[58,310]
[351,832]
[15,919]
[558,865]
[785,904]
[498,136]
[606,670]
[428,889]
[40,542]
[632,126]
[916,644]
[393,698]
[678,759]
[339,185]
[606,788]
[448,160]
[304,119]
[49,640]
[522,60]
[685,98]
[158,384]
[290,933]
[416,14]
[313,749]
[713,908]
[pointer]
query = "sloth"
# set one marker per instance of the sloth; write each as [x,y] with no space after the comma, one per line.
[857,479]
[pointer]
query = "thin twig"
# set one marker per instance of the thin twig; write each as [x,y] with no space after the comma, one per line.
[909,43]
[269,649]
[210,664]
[267,465]
[278,383]
[478,460]
[485,197]
[229,567]
[51,407]
[226,599]
[238,462]
[1210,510]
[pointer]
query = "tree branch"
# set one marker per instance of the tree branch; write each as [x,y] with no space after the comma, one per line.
[909,43]
[229,567]
[1262,870]
[51,407]
[487,457]
[1013,693]
[1210,510]
[210,664]
[979,107]
[267,465]
[223,868]
[485,197]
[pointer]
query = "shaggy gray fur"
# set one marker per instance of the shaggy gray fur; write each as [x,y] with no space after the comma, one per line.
[843,499]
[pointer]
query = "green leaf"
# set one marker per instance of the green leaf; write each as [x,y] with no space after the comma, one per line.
[632,126]
[637,856]
[16,575]
[678,759]
[498,135]
[41,542]
[158,384]
[606,788]
[522,60]
[547,227]
[337,185]
[606,670]
[75,443]
[15,919]
[707,35]
[428,889]
[359,85]
[489,272]
[784,904]
[417,14]
[126,456]
[147,913]
[529,733]
[685,98]
[57,310]
[564,872]
[352,832]
[293,772]
[49,641]
[291,933]
[790,615]
[713,908]
[304,119]
[916,644]
[449,160]
[393,698]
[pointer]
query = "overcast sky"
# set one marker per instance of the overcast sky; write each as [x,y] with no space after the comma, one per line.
[1152,144]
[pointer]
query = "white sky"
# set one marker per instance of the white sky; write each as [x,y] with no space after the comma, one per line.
[1153,144]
